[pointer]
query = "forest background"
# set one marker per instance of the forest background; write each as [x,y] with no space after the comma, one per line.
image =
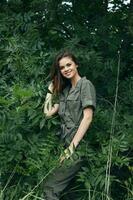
[100,33]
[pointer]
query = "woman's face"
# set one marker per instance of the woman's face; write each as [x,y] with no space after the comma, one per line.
[68,67]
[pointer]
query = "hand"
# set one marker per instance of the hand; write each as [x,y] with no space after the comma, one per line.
[51,87]
[67,153]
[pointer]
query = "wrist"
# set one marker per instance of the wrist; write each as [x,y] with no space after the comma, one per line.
[68,152]
[72,146]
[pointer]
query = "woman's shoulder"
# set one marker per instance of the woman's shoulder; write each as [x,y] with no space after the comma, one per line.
[86,81]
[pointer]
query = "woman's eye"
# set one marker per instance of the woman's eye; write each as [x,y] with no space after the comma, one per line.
[69,64]
[61,68]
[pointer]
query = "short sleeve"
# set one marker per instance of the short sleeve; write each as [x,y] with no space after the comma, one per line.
[88,95]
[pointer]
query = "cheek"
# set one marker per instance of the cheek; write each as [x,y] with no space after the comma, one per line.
[75,69]
[62,72]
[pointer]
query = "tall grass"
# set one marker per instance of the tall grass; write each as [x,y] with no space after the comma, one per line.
[110,149]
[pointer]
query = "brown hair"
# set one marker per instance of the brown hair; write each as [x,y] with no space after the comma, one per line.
[59,81]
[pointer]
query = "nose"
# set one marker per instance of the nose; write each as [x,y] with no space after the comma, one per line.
[66,68]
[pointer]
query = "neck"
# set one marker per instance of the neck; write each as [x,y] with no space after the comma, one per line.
[75,79]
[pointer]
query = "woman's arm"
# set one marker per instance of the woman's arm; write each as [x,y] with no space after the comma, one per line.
[83,127]
[50,110]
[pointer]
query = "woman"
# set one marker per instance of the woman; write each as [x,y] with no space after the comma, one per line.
[75,105]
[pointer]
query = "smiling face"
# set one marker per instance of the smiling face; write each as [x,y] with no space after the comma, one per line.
[68,67]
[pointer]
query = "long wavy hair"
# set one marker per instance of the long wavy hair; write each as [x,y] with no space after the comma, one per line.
[59,81]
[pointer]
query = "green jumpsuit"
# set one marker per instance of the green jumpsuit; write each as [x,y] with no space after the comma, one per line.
[72,101]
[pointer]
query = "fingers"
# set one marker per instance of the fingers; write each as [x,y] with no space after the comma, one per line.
[51,87]
[62,158]
[66,154]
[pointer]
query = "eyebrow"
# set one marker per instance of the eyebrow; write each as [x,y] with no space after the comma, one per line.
[66,64]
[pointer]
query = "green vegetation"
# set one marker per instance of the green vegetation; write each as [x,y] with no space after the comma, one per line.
[31,34]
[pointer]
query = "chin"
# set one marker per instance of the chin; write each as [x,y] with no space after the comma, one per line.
[69,77]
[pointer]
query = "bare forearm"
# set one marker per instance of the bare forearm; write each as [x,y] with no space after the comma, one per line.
[54,110]
[50,109]
[84,125]
[48,103]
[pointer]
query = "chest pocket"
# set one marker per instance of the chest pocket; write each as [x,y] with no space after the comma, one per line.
[61,105]
[74,105]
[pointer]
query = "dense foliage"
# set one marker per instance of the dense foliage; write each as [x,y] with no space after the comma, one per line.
[31,33]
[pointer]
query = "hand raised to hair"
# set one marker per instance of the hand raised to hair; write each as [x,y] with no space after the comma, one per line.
[51,87]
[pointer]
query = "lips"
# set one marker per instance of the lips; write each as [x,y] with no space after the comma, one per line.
[68,73]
